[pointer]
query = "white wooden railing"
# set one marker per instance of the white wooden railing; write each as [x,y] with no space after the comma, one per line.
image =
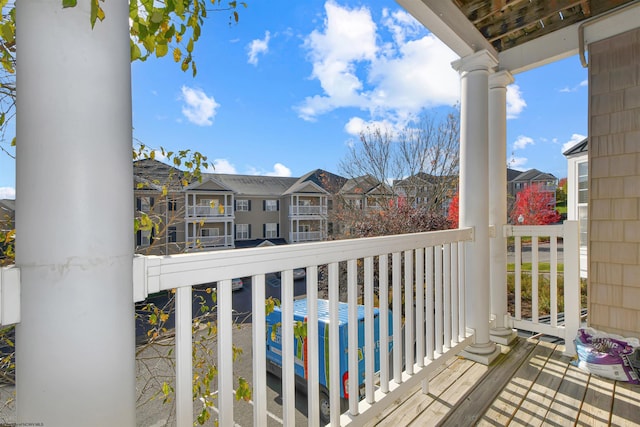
[424,272]
[306,236]
[307,210]
[209,211]
[562,325]
[210,241]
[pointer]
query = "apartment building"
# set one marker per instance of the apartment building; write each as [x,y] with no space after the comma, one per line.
[222,211]
[519,180]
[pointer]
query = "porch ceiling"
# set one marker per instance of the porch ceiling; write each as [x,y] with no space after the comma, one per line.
[509,23]
[521,33]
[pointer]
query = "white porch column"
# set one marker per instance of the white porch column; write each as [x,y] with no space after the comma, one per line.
[498,82]
[474,195]
[74,216]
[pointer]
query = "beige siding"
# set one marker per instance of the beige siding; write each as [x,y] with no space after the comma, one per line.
[257,216]
[614,174]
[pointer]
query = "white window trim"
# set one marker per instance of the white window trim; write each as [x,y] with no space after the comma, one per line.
[242,205]
[242,231]
[271,233]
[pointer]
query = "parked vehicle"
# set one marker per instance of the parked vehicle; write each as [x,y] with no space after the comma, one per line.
[298,274]
[274,349]
[237,284]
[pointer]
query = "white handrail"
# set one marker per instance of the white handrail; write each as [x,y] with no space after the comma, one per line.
[569,233]
[411,253]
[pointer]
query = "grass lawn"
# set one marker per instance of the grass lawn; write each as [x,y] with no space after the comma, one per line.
[542,267]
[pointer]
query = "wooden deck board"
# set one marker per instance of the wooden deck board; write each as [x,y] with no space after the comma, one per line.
[534,408]
[566,404]
[476,403]
[533,384]
[511,397]
[597,404]
[419,402]
[626,405]
[447,400]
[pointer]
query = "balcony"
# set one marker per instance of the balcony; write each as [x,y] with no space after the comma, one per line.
[209,211]
[210,242]
[306,236]
[422,379]
[301,210]
[419,277]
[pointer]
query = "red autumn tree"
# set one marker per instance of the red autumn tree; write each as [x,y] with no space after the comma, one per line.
[454,212]
[534,207]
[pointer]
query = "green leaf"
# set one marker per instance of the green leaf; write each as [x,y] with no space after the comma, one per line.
[96,12]
[156,17]
[135,51]
[162,48]
[69,3]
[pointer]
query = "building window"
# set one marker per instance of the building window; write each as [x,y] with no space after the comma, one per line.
[583,224]
[271,205]
[271,231]
[143,238]
[173,234]
[144,204]
[242,231]
[172,205]
[583,182]
[209,232]
[243,205]
[583,200]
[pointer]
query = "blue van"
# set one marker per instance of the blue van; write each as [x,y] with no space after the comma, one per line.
[274,349]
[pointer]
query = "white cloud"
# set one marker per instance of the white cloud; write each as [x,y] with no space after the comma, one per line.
[575,138]
[419,76]
[401,25]
[522,141]
[356,125]
[518,162]
[7,193]
[198,108]
[257,47]
[392,81]
[515,102]
[279,170]
[567,89]
[223,166]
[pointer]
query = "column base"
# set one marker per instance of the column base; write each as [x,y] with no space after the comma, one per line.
[481,353]
[504,336]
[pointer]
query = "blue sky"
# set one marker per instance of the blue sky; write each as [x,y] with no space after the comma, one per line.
[287,89]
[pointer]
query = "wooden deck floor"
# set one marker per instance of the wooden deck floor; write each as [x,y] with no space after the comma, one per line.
[532,384]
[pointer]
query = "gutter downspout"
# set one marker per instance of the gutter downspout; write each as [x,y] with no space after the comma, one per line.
[583,24]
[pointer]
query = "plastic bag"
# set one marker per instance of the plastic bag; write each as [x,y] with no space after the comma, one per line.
[606,355]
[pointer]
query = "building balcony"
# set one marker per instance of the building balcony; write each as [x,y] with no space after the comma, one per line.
[420,279]
[306,236]
[417,285]
[307,211]
[209,242]
[209,211]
